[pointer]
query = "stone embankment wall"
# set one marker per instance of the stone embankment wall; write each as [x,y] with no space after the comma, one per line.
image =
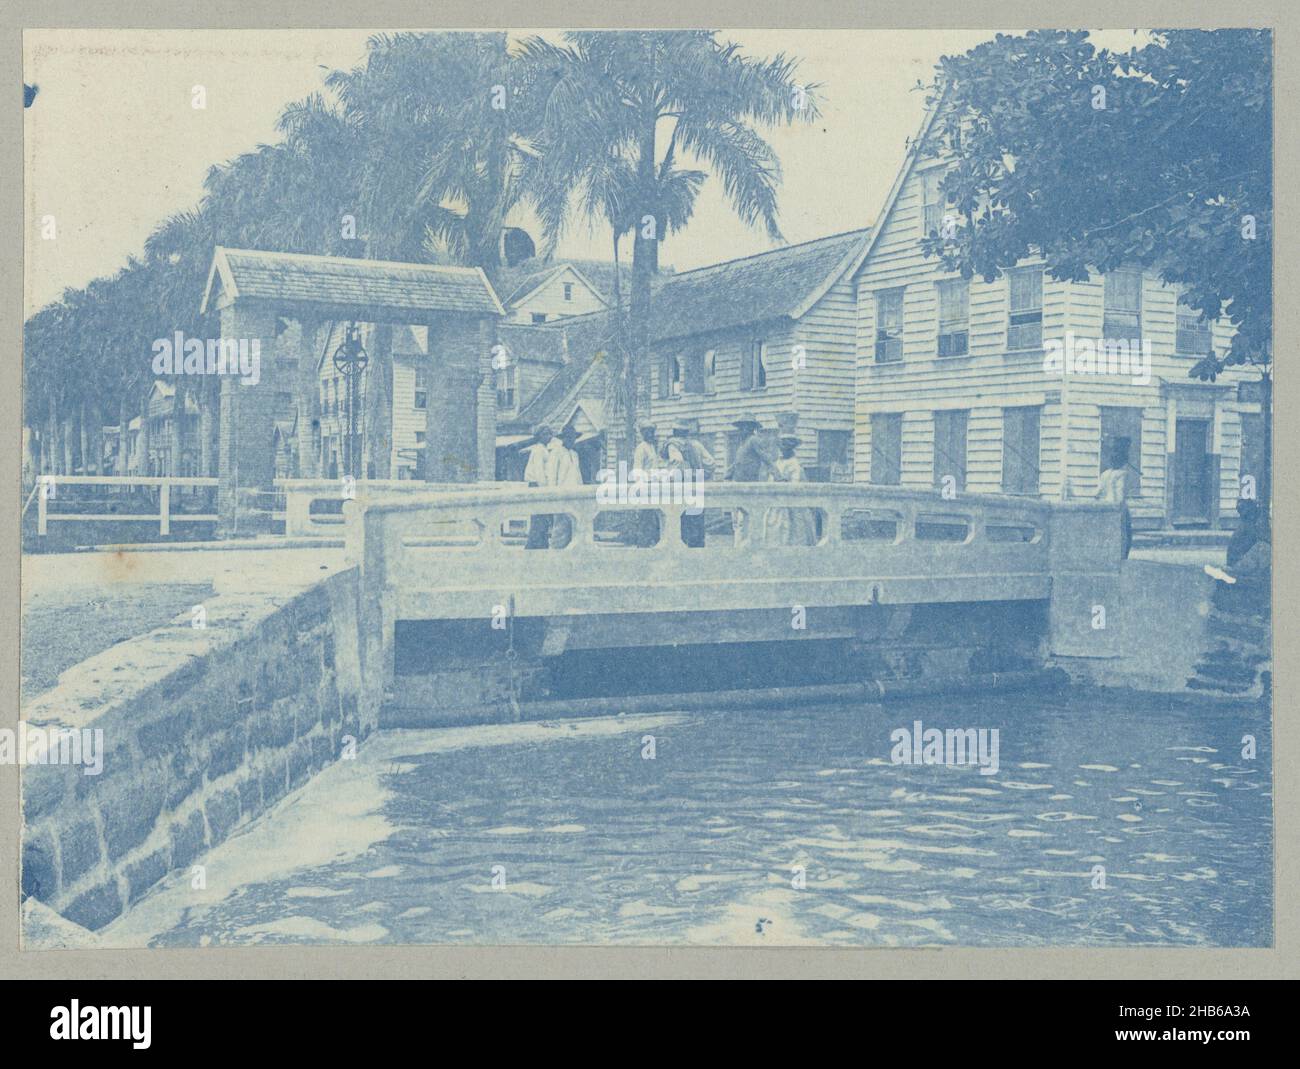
[204,728]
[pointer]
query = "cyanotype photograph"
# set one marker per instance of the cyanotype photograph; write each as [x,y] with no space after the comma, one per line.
[647,488]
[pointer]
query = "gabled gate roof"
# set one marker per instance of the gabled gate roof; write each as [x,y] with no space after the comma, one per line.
[346,287]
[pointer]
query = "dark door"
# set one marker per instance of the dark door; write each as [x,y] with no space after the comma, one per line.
[1192,472]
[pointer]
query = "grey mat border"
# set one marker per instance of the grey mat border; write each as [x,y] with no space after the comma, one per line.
[1283,960]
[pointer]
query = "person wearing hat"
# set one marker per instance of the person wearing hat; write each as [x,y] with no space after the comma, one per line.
[686,452]
[646,463]
[749,465]
[540,471]
[566,470]
[646,455]
[790,526]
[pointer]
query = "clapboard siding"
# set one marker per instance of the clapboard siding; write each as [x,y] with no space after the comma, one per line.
[990,378]
[824,384]
[716,412]
[548,299]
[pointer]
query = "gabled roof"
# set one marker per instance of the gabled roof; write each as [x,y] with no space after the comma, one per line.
[344,283]
[784,282]
[540,342]
[520,282]
[909,162]
[584,338]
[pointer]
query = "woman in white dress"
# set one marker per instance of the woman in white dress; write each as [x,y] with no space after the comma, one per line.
[790,526]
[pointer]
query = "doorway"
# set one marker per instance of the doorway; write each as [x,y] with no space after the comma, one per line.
[1192,473]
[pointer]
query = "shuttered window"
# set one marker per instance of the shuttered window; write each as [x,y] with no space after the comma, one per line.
[889,325]
[931,202]
[1122,422]
[1025,326]
[1122,318]
[950,446]
[886,448]
[1020,449]
[694,373]
[954,317]
[753,366]
[1192,337]
[711,371]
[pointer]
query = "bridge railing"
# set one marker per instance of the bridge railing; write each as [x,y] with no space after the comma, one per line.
[569,551]
[315,508]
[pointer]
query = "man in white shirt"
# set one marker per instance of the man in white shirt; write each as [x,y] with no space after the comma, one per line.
[646,463]
[646,455]
[566,471]
[540,471]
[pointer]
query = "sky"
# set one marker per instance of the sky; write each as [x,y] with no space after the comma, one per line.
[113,145]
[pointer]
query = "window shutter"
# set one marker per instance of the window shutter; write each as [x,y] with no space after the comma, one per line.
[950,446]
[693,373]
[747,361]
[886,448]
[1021,463]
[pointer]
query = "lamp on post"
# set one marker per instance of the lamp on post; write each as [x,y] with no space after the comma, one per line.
[350,359]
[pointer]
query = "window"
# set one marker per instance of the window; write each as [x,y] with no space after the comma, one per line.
[539,317]
[507,387]
[835,455]
[1123,305]
[886,448]
[696,373]
[950,447]
[568,291]
[931,201]
[1193,336]
[1119,423]
[421,388]
[1020,449]
[670,377]
[753,366]
[889,325]
[711,371]
[1025,326]
[419,437]
[954,317]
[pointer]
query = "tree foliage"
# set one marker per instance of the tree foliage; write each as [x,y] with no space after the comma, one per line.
[1160,156]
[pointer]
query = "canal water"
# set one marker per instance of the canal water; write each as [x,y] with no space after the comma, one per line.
[1112,820]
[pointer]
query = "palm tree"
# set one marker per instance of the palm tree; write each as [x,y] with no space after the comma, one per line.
[441,164]
[646,98]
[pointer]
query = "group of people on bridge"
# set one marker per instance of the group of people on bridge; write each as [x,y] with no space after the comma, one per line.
[554,462]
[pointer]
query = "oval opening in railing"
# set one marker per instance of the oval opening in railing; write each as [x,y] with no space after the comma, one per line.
[542,530]
[1012,532]
[931,527]
[870,525]
[631,528]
